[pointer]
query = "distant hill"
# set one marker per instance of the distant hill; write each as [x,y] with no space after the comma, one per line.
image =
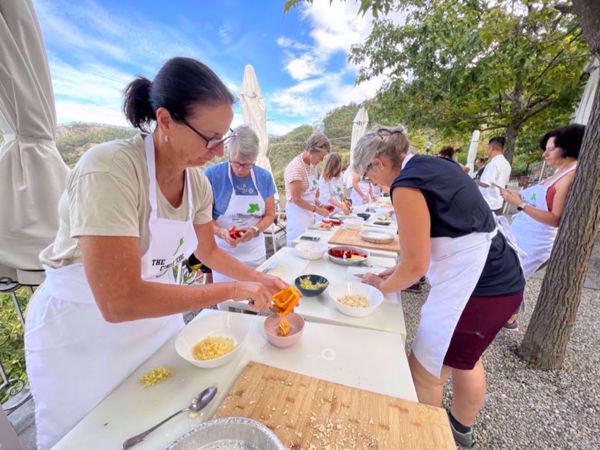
[338,128]
[74,139]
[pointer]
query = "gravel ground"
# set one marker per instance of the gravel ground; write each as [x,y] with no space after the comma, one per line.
[534,409]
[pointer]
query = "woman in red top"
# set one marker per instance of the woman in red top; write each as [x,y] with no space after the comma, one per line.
[541,206]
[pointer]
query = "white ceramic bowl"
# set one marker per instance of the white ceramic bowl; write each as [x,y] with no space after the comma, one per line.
[374,295]
[230,325]
[353,223]
[311,250]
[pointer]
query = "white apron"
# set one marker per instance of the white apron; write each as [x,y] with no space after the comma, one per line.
[535,238]
[74,357]
[357,199]
[243,211]
[299,219]
[454,270]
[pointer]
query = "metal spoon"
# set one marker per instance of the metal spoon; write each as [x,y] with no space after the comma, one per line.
[198,403]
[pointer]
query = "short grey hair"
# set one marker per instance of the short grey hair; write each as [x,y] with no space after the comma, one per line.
[317,142]
[388,141]
[243,144]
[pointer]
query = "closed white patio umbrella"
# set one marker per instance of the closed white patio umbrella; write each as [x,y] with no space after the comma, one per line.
[359,127]
[32,173]
[254,113]
[473,152]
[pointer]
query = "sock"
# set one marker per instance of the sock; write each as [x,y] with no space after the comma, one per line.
[457,425]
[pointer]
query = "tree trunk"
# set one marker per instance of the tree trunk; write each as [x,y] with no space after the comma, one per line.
[512,130]
[545,342]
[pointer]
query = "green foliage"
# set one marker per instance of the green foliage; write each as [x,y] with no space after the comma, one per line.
[73,140]
[459,65]
[12,354]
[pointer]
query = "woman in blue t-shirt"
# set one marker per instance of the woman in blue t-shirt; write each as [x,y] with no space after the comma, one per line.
[244,203]
[448,232]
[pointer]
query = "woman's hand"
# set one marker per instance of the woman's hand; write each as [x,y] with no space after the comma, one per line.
[512,197]
[386,273]
[259,298]
[247,234]
[224,234]
[272,283]
[373,280]
[345,209]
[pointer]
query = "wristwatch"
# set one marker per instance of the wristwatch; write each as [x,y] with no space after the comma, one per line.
[256,231]
[522,206]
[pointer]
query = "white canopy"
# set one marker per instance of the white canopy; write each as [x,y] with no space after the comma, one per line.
[587,100]
[254,113]
[359,126]
[473,152]
[32,173]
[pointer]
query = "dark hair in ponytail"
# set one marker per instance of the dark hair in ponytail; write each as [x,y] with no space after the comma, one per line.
[179,86]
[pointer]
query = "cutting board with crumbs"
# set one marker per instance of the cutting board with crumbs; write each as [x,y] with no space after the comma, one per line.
[345,236]
[308,413]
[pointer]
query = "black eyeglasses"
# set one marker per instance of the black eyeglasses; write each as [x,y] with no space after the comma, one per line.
[212,142]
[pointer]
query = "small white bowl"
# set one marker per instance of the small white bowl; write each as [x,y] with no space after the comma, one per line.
[227,325]
[311,250]
[374,295]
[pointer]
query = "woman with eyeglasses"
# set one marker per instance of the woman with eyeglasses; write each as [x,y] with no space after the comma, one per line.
[448,232]
[541,206]
[301,187]
[132,211]
[244,201]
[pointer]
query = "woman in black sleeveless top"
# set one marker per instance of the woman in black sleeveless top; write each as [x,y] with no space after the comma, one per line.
[446,230]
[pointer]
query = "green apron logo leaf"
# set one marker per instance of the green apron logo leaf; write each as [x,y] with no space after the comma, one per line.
[178,247]
[253,208]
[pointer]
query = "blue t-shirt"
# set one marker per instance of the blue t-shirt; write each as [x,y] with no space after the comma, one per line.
[457,208]
[219,180]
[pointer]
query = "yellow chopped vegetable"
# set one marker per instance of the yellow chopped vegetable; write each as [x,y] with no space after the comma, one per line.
[284,328]
[212,347]
[305,283]
[357,301]
[155,376]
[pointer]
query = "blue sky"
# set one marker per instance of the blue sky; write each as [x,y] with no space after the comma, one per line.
[96,47]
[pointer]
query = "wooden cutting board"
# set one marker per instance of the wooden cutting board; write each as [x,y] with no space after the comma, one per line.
[345,236]
[308,413]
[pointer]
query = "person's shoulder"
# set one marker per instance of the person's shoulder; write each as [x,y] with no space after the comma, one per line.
[215,169]
[121,157]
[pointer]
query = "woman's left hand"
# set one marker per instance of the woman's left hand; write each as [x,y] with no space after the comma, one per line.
[272,283]
[373,280]
[512,197]
[248,233]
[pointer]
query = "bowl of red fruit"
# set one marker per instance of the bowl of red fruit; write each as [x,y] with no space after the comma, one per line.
[348,255]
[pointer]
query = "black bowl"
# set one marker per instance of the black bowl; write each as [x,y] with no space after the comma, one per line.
[314,279]
[364,215]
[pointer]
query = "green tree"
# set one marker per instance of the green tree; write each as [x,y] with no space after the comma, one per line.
[459,65]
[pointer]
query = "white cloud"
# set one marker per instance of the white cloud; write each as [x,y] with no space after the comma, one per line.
[225,31]
[334,28]
[285,42]
[71,111]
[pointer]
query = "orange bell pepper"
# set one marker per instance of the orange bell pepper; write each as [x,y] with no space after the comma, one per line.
[287,299]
